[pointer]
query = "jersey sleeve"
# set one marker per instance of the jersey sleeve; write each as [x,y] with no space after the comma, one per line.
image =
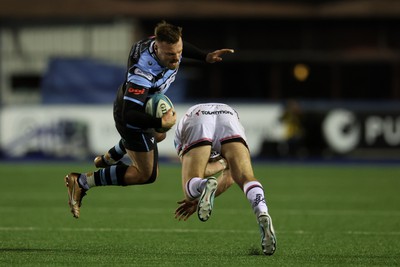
[193,52]
[140,77]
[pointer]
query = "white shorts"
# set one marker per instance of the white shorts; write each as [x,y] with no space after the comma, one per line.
[208,124]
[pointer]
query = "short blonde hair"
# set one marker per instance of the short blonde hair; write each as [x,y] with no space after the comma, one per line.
[168,33]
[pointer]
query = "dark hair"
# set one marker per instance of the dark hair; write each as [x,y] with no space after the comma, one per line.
[168,33]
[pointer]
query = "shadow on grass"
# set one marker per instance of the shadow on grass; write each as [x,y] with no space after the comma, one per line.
[253,251]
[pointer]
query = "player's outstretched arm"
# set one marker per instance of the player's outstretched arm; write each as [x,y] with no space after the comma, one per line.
[186,209]
[215,166]
[216,56]
[225,181]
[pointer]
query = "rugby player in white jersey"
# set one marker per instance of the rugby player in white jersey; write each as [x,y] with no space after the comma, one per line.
[216,127]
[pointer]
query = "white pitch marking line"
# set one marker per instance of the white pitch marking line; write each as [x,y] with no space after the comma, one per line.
[180,230]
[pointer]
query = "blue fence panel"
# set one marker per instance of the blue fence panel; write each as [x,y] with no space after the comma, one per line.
[77,81]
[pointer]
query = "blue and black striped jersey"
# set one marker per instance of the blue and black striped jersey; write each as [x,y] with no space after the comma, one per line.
[144,77]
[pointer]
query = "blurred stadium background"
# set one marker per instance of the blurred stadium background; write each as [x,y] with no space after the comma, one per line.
[312,79]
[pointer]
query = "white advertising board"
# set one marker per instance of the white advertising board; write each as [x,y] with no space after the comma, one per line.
[80,131]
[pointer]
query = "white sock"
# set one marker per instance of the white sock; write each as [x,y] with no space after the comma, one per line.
[195,186]
[255,194]
[86,180]
[90,179]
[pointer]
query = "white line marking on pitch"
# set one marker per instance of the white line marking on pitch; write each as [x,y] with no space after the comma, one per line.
[179,230]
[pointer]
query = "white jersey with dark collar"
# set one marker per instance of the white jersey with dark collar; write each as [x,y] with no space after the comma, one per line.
[209,123]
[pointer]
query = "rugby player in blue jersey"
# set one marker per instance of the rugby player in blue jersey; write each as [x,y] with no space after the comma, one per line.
[152,66]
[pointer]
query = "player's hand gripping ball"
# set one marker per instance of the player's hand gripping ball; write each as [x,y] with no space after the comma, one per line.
[157,105]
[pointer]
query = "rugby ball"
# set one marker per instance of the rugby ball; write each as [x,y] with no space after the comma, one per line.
[157,105]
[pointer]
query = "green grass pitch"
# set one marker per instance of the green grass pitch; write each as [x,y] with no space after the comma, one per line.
[324,215]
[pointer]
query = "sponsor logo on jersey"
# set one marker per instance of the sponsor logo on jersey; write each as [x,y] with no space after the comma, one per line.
[216,112]
[143,74]
[136,91]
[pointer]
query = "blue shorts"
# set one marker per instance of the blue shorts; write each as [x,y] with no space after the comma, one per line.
[138,141]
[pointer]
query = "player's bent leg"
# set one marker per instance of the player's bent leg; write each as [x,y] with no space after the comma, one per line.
[239,161]
[112,157]
[268,238]
[144,170]
[206,201]
[103,162]
[240,166]
[194,163]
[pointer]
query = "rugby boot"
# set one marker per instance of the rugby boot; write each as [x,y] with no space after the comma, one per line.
[75,193]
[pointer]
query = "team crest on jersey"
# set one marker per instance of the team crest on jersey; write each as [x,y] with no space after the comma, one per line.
[143,74]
